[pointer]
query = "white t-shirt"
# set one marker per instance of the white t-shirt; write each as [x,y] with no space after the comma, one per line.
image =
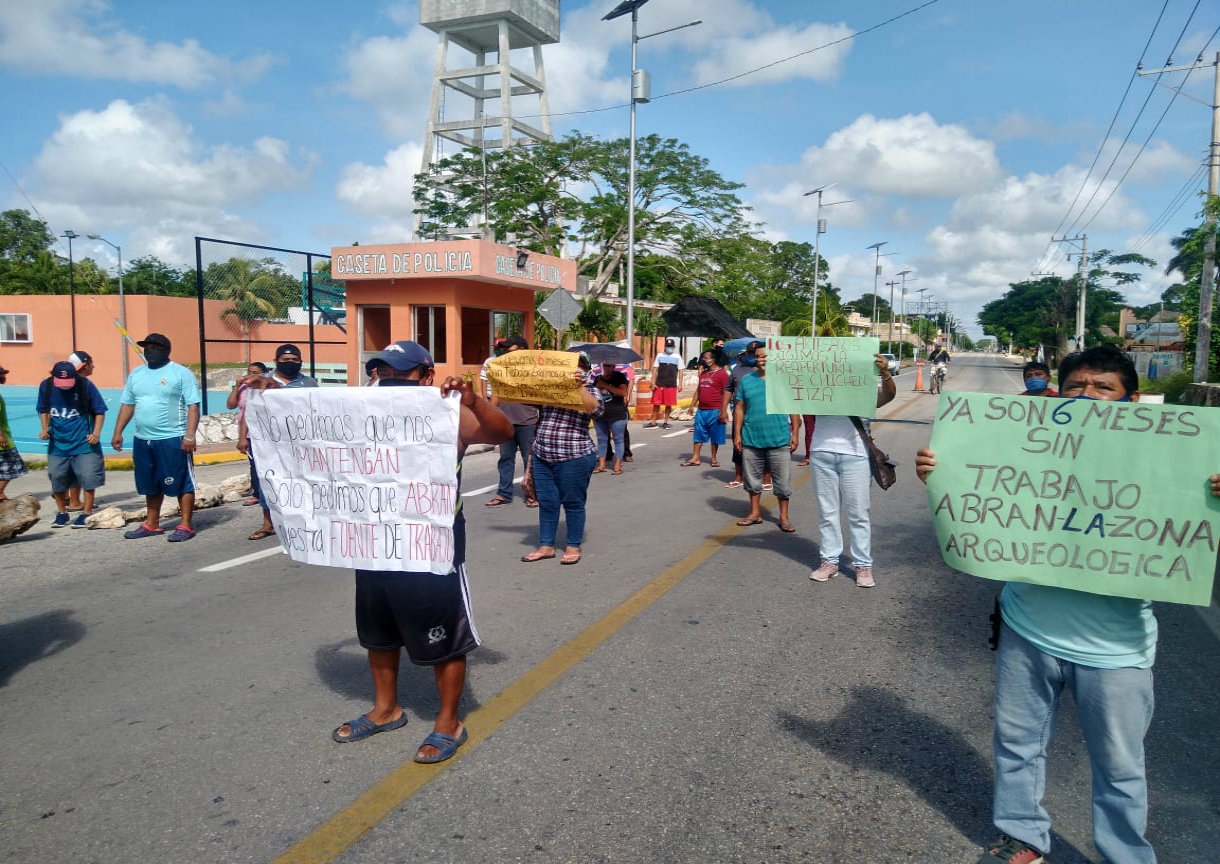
[836,435]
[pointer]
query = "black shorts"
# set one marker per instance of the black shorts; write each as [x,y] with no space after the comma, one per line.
[427,614]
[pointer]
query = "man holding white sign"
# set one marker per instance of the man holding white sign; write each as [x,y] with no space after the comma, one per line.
[1101,648]
[424,610]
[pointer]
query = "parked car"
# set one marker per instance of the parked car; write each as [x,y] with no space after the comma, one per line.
[893,362]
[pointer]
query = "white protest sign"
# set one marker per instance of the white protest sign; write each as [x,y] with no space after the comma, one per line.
[359,477]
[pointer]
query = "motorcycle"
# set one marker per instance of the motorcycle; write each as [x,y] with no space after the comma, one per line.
[936,381]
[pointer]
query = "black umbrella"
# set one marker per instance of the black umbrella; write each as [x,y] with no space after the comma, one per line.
[607,352]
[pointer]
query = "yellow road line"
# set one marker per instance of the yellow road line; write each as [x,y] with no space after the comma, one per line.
[338,833]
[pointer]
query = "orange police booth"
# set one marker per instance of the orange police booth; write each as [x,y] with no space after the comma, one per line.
[454,297]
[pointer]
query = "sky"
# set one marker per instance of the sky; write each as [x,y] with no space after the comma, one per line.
[963,135]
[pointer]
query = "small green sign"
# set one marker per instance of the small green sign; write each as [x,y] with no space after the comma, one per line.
[823,375]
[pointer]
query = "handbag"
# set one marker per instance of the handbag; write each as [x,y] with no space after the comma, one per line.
[880,465]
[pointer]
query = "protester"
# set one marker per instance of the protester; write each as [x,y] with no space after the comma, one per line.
[163,398]
[1101,649]
[1037,378]
[561,464]
[426,614]
[11,464]
[713,407]
[666,371]
[83,361]
[525,422]
[286,374]
[629,371]
[72,412]
[842,483]
[766,442]
[236,401]
[745,365]
[612,387]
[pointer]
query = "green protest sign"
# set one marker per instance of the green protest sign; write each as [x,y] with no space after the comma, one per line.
[822,376]
[1105,497]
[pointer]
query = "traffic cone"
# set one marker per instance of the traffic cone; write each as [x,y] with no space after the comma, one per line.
[918,374]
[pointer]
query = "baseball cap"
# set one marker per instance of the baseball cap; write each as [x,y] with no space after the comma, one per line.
[155,339]
[79,358]
[64,375]
[669,343]
[287,348]
[403,356]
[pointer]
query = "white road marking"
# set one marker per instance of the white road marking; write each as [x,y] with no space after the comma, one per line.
[244,559]
[680,432]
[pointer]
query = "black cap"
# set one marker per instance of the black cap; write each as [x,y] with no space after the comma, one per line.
[669,343]
[155,339]
[287,348]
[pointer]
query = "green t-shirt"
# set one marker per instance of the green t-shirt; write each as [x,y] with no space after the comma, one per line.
[760,429]
[6,434]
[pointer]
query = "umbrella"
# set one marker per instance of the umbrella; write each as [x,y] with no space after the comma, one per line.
[736,346]
[607,352]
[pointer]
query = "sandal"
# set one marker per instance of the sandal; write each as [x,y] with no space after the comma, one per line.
[181,534]
[745,523]
[804,463]
[570,558]
[497,501]
[715,464]
[537,556]
[362,727]
[599,470]
[733,484]
[787,527]
[532,502]
[261,534]
[143,531]
[689,464]
[446,746]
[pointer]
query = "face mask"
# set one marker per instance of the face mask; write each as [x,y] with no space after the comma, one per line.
[1036,385]
[669,350]
[288,369]
[749,360]
[1095,399]
[155,358]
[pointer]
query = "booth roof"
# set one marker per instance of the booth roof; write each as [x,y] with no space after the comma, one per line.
[702,316]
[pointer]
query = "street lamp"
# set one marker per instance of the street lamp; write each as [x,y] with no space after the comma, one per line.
[817,238]
[122,299]
[640,92]
[902,274]
[72,235]
[876,247]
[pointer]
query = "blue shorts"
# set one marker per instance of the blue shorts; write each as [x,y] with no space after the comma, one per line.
[161,468]
[708,426]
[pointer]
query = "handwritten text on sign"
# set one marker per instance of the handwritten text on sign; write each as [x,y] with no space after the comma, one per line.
[537,378]
[822,376]
[361,477]
[1105,497]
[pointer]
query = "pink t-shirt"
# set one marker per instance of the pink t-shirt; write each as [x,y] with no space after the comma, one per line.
[711,389]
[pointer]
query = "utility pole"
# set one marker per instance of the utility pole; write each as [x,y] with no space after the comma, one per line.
[1207,282]
[1083,278]
[890,341]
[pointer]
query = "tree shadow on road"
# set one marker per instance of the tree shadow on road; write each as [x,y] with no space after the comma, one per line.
[876,731]
[36,638]
[344,668]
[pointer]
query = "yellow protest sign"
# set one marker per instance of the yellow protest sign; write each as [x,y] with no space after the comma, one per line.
[537,378]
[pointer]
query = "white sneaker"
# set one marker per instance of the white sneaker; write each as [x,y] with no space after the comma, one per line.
[823,573]
[864,577]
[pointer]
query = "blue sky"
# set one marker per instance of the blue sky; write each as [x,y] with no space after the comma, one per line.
[961,132]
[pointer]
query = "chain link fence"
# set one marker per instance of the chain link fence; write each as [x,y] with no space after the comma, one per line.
[254,298]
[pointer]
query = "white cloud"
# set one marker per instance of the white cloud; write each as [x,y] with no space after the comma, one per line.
[78,37]
[138,167]
[741,53]
[393,75]
[383,193]
[913,156]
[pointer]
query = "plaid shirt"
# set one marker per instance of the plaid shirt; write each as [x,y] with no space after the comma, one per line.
[563,433]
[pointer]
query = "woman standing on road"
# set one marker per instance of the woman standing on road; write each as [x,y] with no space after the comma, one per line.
[561,463]
[611,386]
[841,476]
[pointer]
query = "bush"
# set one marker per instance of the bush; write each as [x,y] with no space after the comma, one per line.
[1173,386]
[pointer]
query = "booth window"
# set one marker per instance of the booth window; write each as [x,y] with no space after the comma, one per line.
[15,327]
[428,322]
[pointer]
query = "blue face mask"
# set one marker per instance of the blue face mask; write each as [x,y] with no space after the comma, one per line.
[749,360]
[1095,399]
[1036,385]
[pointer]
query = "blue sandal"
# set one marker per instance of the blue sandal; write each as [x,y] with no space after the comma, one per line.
[362,727]
[143,531]
[446,744]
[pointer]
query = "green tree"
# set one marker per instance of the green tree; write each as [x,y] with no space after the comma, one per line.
[22,237]
[1188,262]
[255,291]
[597,321]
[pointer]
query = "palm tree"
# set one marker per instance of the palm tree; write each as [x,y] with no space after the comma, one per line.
[254,291]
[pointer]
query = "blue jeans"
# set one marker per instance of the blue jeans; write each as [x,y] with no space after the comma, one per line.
[841,484]
[562,483]
[522,441]
[1114,707]
[606,430]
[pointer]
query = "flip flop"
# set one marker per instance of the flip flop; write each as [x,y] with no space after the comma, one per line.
[715,464]
[690,464]
[180,534]
[496,501]
[599,470]
[616,472]
[533,502]
[261,534]
[787,527]
[570,558]
[536,556]
[446,744]
[733,484]
[804,463]
[745,523]
[362,727]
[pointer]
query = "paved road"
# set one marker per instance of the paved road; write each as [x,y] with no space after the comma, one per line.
[685,694]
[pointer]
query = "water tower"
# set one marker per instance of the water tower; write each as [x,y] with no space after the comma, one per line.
[472,106]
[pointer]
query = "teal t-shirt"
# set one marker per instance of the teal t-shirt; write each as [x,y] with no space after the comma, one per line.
[760,429]
[1089,629]
[161,397]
